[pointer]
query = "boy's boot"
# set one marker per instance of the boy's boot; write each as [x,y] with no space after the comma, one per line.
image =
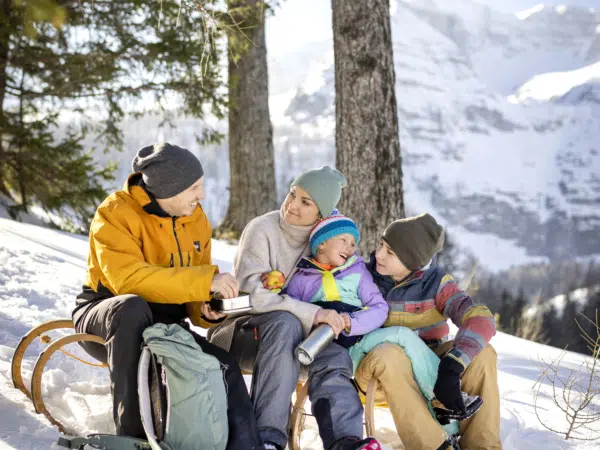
[444,415]
[355,443]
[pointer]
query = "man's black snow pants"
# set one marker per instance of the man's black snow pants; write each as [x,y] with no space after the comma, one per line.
[120,321]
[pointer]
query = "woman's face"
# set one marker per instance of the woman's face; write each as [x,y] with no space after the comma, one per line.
[388,263]
[299,208]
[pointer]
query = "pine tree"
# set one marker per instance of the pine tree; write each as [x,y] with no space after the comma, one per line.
[251,157]
[506,310]
[570,336]
[367,142]
[592,274]
[71,69]
[489,294]
[552,326]
[589,311]
[517,308]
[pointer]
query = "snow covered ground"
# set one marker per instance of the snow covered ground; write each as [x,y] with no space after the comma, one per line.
[41,272]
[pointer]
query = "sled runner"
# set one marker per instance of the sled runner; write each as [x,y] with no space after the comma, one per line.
[299,413]
[35,391]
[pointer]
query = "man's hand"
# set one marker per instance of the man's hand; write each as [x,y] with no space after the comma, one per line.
[331,318]
[209,314]
[225,284]
[447,387]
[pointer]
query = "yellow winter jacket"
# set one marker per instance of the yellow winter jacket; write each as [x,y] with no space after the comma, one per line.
[162,259]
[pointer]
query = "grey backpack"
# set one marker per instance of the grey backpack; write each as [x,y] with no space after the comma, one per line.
[182,394]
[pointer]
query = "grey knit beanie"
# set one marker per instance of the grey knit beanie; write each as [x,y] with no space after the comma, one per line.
[167,169]
[415,240]
[324,186]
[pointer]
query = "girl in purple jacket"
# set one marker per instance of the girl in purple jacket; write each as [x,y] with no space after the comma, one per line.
[335,277]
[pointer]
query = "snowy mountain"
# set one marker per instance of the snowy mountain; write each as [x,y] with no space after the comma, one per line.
[41,272]
[499,120]
[499,123]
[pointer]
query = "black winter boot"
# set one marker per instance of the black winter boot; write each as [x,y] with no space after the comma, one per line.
[473,403]
[355,443]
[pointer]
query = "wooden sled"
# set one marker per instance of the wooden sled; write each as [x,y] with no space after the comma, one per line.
[35,392]
[298,417]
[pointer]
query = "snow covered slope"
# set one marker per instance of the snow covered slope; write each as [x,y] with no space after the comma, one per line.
[41,271]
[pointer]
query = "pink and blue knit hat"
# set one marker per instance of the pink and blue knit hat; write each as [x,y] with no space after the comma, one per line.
[331,226]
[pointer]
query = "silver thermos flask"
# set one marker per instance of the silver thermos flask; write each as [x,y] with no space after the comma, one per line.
[316,341]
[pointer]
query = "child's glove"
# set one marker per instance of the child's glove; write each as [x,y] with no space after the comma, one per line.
[447,387]
[273,281]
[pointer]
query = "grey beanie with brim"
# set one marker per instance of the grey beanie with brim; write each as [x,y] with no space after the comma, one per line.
[324,185]
[167,169]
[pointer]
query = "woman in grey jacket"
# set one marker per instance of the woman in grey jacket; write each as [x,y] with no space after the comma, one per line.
[264,342]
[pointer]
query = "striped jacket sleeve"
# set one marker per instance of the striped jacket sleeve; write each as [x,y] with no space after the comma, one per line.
[475,322]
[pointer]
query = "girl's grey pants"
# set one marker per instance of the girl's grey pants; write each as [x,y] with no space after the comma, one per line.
[264,344]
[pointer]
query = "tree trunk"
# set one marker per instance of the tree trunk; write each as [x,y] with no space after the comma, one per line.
[367,142]
[5,28]
[251,156]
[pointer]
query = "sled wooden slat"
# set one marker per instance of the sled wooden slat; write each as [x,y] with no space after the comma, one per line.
[36,380]
[297,417]
[24,343]
[298,413]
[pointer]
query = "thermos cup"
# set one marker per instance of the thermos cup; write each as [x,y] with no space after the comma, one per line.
[316,341]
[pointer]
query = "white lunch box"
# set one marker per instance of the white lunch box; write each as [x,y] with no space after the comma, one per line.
[231,305]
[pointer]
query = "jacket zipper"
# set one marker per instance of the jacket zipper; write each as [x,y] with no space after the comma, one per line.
[177,240]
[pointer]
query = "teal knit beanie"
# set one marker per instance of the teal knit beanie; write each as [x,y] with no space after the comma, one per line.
[332,226]
[324,185]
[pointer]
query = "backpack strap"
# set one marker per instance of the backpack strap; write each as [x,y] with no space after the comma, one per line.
[103,442]
[145,399]
[158,398]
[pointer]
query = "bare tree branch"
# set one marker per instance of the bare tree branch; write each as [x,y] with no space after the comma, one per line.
[576,395]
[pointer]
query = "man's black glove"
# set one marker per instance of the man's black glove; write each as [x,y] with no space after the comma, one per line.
[447,387]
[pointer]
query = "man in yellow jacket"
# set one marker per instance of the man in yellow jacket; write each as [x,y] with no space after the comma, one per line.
[149,262]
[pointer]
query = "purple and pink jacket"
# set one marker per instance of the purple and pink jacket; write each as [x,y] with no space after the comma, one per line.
[350,283]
